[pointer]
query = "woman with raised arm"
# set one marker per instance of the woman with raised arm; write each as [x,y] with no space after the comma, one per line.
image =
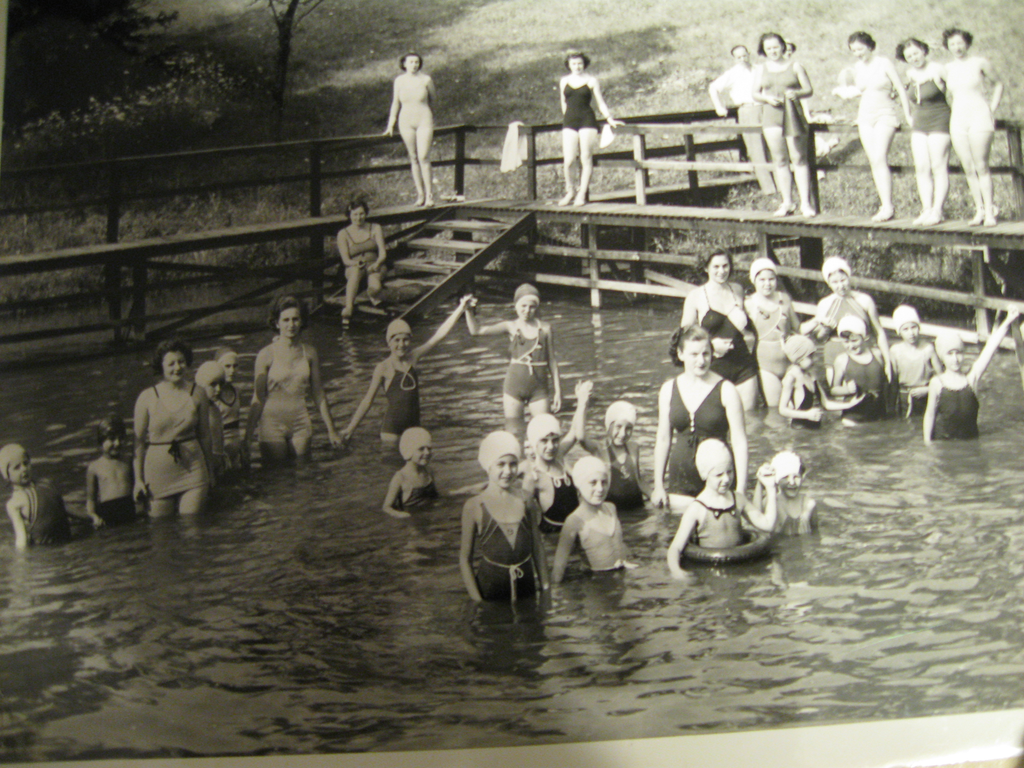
[972,122]
[579,124]
[929,139]
[874,79]
[779,84]
[412,108]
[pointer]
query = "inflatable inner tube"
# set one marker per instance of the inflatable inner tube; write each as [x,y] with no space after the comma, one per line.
[755,544]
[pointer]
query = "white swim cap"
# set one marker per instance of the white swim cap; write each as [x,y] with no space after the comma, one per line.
[786,464]
[496,445]
[761,264]
[524,291]
[620,410]
[397,327]
[851,324]
[834,264]
[209,372]
[711,455]
[9,454]
[904,314]
[797,347]
[586,468]
[412,440]
[541,426]
[947,340]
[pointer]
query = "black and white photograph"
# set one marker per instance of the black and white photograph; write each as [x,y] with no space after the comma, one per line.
[502,382]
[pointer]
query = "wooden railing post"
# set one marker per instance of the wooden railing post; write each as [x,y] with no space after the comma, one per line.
[316,242]
[691,155]
[1013,141]
[112,269]
[641,175]
[460,161]
[531,162]
[594,267]
[812,166]
[979,256]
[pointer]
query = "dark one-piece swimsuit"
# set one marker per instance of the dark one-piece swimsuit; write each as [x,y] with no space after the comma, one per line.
[578,112]
[505,570]
[870,380]
[708,421]
[403,403]
[623,489]
[956,414]
[738,364]
[562,505]
[810,398]
[417,497]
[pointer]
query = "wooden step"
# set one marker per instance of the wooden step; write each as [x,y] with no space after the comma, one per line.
[467,225]
[422,265]
[459,246]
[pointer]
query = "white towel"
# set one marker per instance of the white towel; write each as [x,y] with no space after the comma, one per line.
[513,151]
[607,136]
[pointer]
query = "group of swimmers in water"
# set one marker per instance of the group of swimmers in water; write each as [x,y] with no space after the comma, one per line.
[943,104]
[189,433]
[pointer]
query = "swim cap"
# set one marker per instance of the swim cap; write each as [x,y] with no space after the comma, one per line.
[209,372]
[586,468]
[851,324]
[223,352]
[620,410]
[761,264]
[947,340]
[525,290]
[797,347]
[786,464]
[9,454]
[835,264]
[397,327]
[541,426]
[712,454]
[904,314]
[412,440]
[496,445]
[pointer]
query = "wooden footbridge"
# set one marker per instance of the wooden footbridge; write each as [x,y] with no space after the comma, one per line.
[443,249]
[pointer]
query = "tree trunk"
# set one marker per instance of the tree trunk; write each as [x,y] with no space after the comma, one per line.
[285,28]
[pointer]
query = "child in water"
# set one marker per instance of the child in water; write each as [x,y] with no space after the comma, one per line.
[229,403]
[498,525]
[859,371]
[712,519]
[594,523]
[413,484]
[211,377]
[109,479]
[794,509]
[952,410]
[396,378]
[546,480]
[36,510]
[803,400]
[914,361]
[626,489]
[532,355]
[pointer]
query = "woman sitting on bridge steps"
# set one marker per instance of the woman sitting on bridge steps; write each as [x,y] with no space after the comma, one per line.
[361,246]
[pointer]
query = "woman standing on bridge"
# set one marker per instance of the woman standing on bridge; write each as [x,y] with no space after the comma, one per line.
[971,124]
[412,108]
[874,79]
[779,84]
[579,124]
[717,306]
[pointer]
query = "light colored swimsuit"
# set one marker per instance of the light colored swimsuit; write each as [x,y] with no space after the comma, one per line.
[772,327]
[414,103]
[174,461]
[284,414]
[970,110]
[598,537]
[877,106]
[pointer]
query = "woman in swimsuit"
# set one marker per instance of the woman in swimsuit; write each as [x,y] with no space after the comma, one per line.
[843,302]
[579,124]
[972,122]
[774,319]
[780,84]
[396,377]
[531,356]
[286,371]
[411,107]
[173,458]
[952,410]
[929,140]
[498,526]
[695,405]
[362,250]
[717,306]
[874,78]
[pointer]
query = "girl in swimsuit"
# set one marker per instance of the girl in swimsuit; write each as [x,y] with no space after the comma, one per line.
[696,405]
[972,122]
[626,489]
[843,302]
[501,528]
[229,403]
[173,457]
[859,371]
[547,481]
[593,522]
[712,519]
[718,307]
[914,361]
[780,84]
[210,376]
[803,400]
[579,124]
[286,371]
[532,355]
[929,140]
[396,377]
[412,109]
[36,511]
[952,410]
[874,78]
[108,479]
[413,484]
[361,246]
[794,509]
[774,319]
